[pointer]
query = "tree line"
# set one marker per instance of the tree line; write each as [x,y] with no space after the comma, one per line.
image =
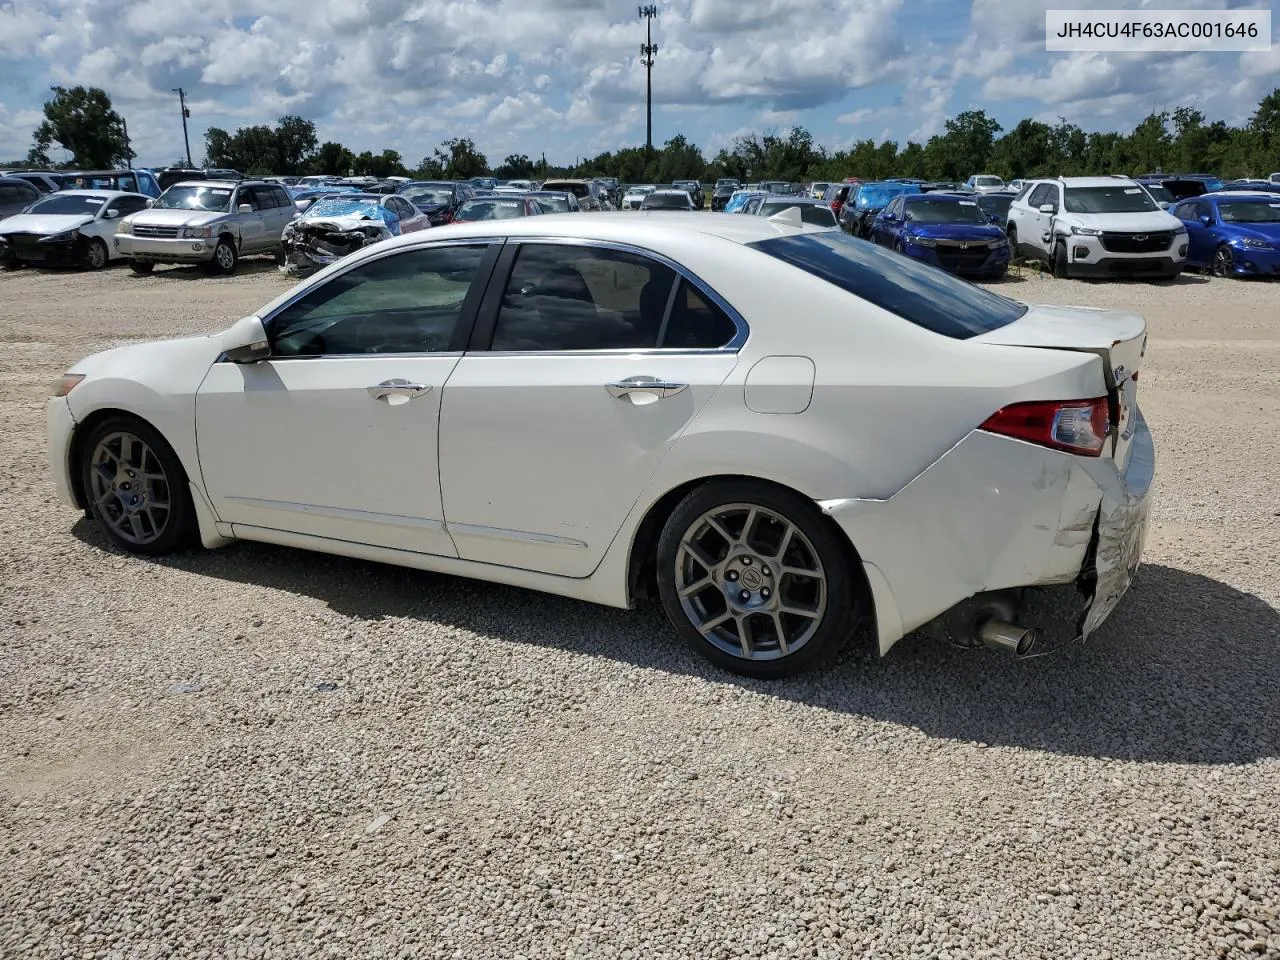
[81,120]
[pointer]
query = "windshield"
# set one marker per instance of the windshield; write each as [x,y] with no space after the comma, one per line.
[666,201]
[491,210]
[1117,199]
[994,205]
[428,196]
[988,182]
[944,211]
[85,206]
[874,196]
[552,204]
[341,207]
[1159,193]
[213,199]
[579,190]
[1244,211]
[725,184]
[641,189]
[916,292]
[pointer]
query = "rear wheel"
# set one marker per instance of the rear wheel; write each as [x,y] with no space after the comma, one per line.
[756,580]
[1060,260]
[1012,234]
[1222,265]
[282,257]
[136,488]
[141,266]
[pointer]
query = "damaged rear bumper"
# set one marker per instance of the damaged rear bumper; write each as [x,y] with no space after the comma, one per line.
[995,515]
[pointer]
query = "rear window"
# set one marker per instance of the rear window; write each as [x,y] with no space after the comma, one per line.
[916,292]
[579,190]
[810,213]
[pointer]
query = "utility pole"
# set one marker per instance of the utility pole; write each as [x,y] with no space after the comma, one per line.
[648,50]
[128,154]
[182,102]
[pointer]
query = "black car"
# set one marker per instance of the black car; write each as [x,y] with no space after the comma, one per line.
[722,192]
[694,189]
[995,206]
[15,196]
[438,199]
[168,176]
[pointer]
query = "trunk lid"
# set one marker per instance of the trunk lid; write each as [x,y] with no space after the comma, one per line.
[1119,338]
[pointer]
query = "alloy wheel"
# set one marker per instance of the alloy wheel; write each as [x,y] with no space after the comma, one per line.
[130,488]
[1222,262]
[750,582]
[225,256]
[96,255]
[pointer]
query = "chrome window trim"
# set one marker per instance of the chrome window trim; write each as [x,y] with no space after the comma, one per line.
[742,330]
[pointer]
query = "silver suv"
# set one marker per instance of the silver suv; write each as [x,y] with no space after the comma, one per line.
[211,222]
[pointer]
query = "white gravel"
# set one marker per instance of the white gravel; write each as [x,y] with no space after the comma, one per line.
[263,753]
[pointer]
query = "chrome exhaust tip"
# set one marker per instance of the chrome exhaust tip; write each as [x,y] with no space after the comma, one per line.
[1010,637]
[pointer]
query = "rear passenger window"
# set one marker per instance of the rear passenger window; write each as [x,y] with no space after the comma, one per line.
[695,322]
[564,297]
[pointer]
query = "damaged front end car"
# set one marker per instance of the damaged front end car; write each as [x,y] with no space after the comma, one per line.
[333,228]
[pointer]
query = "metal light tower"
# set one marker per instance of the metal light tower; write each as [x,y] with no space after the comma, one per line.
[648,50]
[182,101]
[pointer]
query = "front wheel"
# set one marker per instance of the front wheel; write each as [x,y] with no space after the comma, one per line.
[136,488]
[94,256]
[224,258]
[1223,265]
[1060,260]
[756,580]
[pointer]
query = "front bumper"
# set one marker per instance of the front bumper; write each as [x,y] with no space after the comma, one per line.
[1107,267]
[1254,262]
[165,250]
[994,514]
[59,427]
[950,259]
[31,248]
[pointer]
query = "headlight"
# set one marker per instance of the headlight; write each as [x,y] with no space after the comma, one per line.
[65,384]
[125,227]
[1086,231]
[191,233]
[1255,244]
[65,237]
[922,241]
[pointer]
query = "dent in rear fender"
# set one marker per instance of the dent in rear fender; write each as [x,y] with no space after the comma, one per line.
[991,513]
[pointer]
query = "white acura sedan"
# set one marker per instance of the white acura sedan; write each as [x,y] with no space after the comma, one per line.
[789,436]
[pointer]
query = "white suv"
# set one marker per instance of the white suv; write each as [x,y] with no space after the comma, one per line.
[1096,227]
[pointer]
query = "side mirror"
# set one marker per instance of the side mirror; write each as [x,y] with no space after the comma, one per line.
[245,341]
[1206,220]
[1048,208]
[110,214]
[245,208]
[151,202]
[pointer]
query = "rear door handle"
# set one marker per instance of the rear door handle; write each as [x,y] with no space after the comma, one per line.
[644,384]
[398,387]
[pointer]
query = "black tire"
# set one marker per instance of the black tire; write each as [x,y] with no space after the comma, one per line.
[94,255]
[1222,264]
[224,259]
[839,610]
[1060,260]
[141,267]
[898,248]
[168,529]
[1012,233]
[281,256]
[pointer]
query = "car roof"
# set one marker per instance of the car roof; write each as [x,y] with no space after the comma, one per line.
[641,228]
[1088,181]
[105,194]
[798,201]
[1263,195]
[229,184]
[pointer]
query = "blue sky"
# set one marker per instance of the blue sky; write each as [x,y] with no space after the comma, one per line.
[562,76]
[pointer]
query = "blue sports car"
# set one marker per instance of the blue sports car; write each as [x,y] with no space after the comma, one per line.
[946,230]
[1233,234]
[738,202]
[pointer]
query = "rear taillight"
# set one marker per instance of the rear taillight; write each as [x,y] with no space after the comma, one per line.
[1076,426]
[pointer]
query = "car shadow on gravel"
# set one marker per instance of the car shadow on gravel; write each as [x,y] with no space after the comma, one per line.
[200,272]
[1185,671]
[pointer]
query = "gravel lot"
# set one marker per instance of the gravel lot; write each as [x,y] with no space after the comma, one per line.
[502,774]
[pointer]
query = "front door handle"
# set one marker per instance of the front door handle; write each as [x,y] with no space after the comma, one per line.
[398,387]
[644,384]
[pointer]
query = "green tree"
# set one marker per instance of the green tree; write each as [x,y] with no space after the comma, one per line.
[295,144]
[333,159]
[965,148]
[460,159]
[82,121]
[1149,143]
[516,167]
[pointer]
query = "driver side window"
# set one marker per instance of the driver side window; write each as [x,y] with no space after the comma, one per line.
[410,302]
